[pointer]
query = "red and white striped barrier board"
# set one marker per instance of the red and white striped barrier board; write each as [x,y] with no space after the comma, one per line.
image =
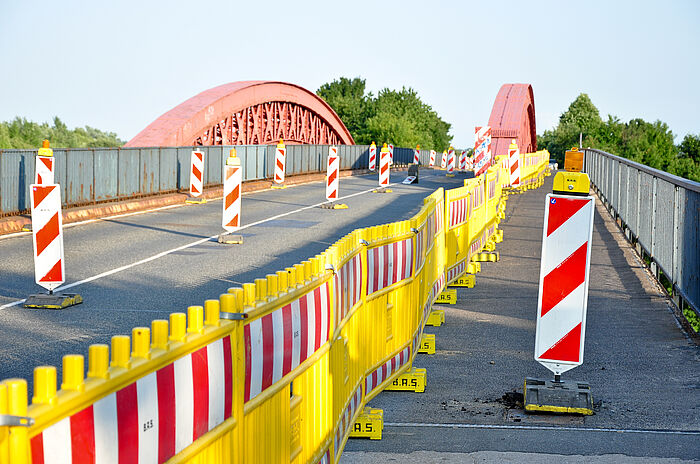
[459,211]
[439,216]
[492,187]
[385,371]
[348,287]
[384,171]
[451,160]
[430,229]
[477,196]
[432,158]
[280,162]
[47,235]
[463,161]
[231,217]
[389,264]
[514,164]
[443,161]
[372,157]
[332,174]
[436,289]
[149,420]
[475,246]
[347,419]
[455,271]
[563,289]
[421,245]
[277,343]
[391,153]
[416,156]
[44,170]
[326,458]
[197,174]
[482,149]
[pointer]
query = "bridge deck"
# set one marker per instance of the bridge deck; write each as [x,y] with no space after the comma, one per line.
[642,368]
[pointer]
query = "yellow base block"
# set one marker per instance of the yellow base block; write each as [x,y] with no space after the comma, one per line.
[53,301]
[489,246]
[369,424]
[382,190]
[196,201]
[448,296]
[413,380]
[436,318]
[278,186]
[473,268]
[427,344]
[334,206]
[498,238]
[466,280]
[449,175]
[486,257]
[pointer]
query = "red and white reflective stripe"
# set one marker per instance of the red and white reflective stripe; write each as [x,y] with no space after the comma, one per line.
[514,165]
[432,158]
[231,218]
[443,162]
[44,170]
[332,174]
[439,216]
[477,196]
[475,246]
[455,271]
[416,156]
[372,157]
[451,160]
[384,171]
[47,235]
[150,420]
[347,419]
[482,149]
[420,246]
[386,370]
[348,287]
[197,174]
[389,264]
[435,290]
[326,458]
[459,211]
[463,161]
[280,161]
[563,288]
[492,189]
[279,342]
[391,153]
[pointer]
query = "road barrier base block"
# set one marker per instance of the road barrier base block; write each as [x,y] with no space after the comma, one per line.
[491,257]
[565,396]
[448,296]
[369,424]
[278,186]
[473,268]
[53,300]
[436,318]
[231,239]
[196,201]
[427,344]
[465,280]
[382,190]
[413,380]
[334,206]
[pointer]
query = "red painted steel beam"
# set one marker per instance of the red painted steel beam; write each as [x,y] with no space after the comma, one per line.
[247,112]
[513,117]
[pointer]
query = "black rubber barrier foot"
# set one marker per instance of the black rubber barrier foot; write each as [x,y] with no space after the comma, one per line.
[334,206]
[564,396]
[53,300]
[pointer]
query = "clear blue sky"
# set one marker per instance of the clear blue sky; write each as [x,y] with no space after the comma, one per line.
[118,65]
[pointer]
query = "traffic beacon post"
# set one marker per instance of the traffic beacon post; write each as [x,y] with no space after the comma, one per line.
[563,292]
[231,214]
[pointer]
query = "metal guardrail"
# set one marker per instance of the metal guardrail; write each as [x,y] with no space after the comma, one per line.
[659,212]
[94,175]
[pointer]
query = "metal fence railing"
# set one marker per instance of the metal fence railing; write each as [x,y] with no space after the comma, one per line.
[89,176]
[659,212]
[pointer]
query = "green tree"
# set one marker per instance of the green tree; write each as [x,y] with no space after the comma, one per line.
[347,97]
[20,133]
[582,117]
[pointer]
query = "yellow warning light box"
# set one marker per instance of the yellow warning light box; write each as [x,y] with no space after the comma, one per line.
[573,160]
[572,181]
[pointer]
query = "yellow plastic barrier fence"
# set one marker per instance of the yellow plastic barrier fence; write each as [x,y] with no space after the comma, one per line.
[533,169]
[274,371]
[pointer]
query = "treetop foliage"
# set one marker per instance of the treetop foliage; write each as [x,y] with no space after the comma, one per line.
[649,143]
[20,133]
[393,116]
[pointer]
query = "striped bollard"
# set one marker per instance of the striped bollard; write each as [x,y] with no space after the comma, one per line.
[372,156]
[443,163]
[451,162]
[231,204]
[514,164]
[391,153]
[384,170]
[280,164]
[432,158]
[44,174]
[416,155]
[196,178]
[332,180]
[47,240]
[463,161]
[563,295]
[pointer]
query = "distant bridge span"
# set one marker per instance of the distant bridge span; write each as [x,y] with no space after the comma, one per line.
[247,113]
[513,117]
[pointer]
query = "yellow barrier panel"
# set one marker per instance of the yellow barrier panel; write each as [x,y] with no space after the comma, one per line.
[274,371]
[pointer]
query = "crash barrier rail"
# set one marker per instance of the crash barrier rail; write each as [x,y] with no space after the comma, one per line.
[89,176]
[659,213]
[274,371]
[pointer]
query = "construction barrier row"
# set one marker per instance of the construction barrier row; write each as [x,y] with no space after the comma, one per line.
[277,370]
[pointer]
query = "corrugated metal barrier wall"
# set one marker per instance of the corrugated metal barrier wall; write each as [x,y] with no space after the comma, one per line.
[274,371]
[90,176]
[658,211]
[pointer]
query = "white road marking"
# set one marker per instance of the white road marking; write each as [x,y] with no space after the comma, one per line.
[183,247]
[540,427]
